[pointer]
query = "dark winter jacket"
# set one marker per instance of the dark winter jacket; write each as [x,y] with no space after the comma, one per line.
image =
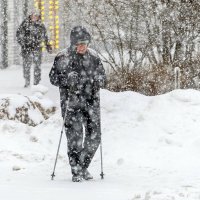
[79,78]
[30,35]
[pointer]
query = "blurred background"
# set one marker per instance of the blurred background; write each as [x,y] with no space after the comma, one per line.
[146,45]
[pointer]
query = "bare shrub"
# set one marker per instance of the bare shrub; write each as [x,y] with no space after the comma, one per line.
[190,74]
[149,81]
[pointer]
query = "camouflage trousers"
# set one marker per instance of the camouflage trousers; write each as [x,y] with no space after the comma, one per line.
[82,127]
[34,57]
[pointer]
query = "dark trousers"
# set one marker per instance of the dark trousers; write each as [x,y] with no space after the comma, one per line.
[83,136]
[36,58]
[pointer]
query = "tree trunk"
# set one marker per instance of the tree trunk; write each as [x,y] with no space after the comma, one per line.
[178,55]
[166,42]
[4,30]
[25,8]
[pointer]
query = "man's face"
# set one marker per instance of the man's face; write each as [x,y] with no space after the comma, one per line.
[81,48]
[34,18]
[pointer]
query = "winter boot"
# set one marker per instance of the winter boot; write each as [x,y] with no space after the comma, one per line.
[87,175]
[77,178]
[27,83]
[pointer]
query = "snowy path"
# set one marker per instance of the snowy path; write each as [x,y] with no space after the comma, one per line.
[151,149]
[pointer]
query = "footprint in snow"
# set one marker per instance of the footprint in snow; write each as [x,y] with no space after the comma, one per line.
[120,161]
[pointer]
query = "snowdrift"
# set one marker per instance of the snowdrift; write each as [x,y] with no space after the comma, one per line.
[151,148]
[29,110]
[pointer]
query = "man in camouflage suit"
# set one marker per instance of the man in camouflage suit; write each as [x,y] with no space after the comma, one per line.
[79,74]
[30,34]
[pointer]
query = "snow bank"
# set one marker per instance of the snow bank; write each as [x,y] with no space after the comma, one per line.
[151,148]
[157,131]
[30,110]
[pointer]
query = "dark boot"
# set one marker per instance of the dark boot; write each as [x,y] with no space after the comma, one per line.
[77,178]
[27,83]
[77,175]
[87,175]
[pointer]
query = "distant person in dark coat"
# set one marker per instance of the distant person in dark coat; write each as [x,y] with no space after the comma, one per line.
[30,34]
[79,74]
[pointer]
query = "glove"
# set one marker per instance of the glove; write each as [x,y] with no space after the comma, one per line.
[62,80]
[73,80]
[49,48]
[98,83]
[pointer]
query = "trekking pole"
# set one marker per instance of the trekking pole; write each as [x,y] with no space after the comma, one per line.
[53,174]
[101,148]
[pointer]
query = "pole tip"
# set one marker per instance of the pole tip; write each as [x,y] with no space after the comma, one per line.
[102,175]
[52,176]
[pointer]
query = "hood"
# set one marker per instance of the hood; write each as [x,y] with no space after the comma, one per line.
[79,34]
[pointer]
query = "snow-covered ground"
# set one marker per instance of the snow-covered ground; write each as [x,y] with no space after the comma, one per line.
[151,149]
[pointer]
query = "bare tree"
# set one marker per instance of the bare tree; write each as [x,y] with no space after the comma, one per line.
[133,34]
[4,32]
